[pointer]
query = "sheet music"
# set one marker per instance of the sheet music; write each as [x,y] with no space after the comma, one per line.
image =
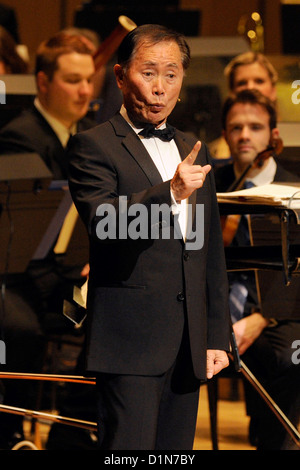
[276,194]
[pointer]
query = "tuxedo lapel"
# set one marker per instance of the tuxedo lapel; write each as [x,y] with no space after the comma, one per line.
[136,149]
[142,157]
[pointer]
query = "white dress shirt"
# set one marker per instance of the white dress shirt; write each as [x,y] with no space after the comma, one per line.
[266,175]
[166,158]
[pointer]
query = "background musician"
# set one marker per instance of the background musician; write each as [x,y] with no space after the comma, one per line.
[247,71]
[34,299]
[252,71]
[249,123]
[64,70]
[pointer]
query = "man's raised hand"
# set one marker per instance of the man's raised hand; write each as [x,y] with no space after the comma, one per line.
[188,176]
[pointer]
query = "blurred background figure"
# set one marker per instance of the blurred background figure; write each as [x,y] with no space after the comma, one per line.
[33,300]
[64,70]
[264,341]
[10,60]
[250,70]
[107,99]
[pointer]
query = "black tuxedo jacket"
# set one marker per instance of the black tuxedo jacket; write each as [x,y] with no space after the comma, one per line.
[30,132]
[142,291]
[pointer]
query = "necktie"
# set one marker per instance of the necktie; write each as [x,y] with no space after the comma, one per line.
[166,134]
[237,299]
[248,184]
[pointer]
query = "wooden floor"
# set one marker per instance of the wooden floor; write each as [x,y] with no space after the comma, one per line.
[232,426]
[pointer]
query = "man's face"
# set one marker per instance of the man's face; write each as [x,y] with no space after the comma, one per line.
[152,83]
[254,76]
[247,132]
[68,94]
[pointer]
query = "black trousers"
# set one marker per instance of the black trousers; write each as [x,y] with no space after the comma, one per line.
[149,412]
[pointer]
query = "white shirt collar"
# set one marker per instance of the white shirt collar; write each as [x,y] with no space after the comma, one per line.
[63,133]
[266,175]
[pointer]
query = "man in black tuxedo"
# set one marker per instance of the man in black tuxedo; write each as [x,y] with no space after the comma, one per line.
[157,300]
[34,299]
[249,124]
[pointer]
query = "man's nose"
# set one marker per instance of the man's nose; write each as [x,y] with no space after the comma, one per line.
[251,85]
[158,87]
[86,87]
[244,134]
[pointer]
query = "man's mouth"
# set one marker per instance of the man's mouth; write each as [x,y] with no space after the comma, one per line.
[81,103]
[156,107]
[245,148]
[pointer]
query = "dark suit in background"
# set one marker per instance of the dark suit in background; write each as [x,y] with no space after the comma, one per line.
[30,132]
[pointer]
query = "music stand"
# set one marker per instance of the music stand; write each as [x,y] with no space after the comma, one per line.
[268,231]
[27,208]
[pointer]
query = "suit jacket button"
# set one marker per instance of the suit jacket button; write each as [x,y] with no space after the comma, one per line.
[186,256]
[180,297]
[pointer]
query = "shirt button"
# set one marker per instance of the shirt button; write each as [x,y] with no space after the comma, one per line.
[180,297]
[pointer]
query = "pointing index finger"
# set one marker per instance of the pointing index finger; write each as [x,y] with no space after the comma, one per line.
[191,158]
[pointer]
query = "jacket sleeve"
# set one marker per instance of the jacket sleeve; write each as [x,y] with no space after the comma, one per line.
[217,280]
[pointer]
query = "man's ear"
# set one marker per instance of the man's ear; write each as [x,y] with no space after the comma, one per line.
[119,73]
[224,135]
[42,82]
[276,141]
[274,137]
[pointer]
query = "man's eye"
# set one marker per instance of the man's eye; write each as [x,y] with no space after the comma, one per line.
[72,80]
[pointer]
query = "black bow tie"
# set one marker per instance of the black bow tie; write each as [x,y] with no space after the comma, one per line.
[166,134]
